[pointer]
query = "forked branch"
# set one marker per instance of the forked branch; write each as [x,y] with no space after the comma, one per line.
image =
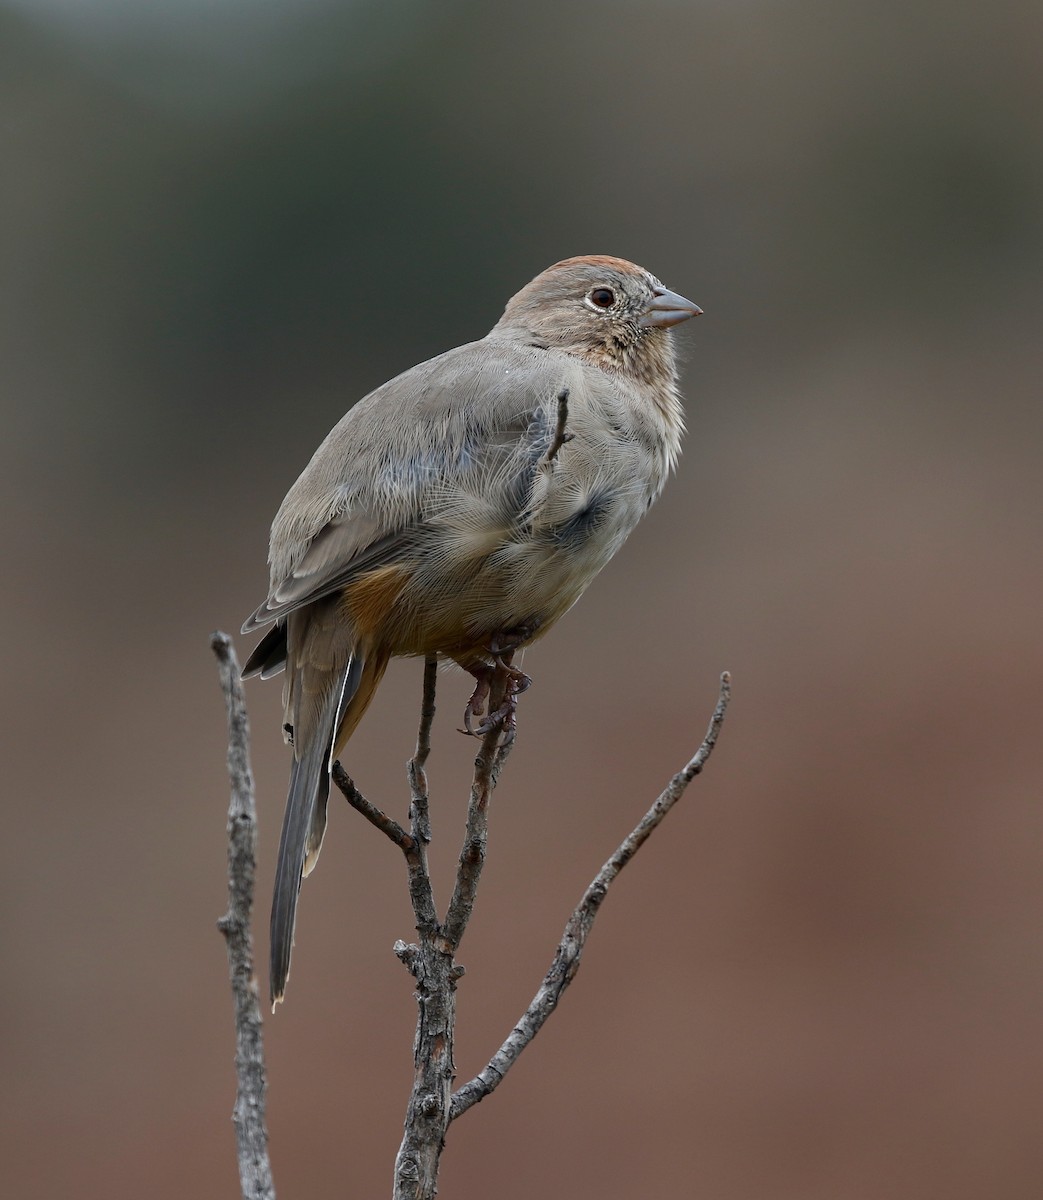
[431,960]
[432,1104]
[567,959]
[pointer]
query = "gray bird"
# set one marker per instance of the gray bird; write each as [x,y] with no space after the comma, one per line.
[451,514]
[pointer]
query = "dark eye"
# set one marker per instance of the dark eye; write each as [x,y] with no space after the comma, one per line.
[603,297]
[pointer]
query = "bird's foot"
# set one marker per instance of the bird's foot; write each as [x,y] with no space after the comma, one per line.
[505,716]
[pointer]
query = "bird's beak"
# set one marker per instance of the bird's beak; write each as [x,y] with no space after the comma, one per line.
[668,308]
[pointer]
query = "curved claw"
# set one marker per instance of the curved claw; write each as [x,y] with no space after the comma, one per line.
[520,682]
[504,716]
[469,729]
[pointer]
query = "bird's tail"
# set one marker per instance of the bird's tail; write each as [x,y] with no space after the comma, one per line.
[304,821]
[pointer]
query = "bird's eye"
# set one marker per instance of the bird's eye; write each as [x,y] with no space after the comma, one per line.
[603,297]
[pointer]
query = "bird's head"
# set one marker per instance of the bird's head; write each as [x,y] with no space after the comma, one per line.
[605,310]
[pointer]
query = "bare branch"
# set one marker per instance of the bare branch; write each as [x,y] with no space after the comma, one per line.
[413,846]
[567,959]
[375,816]
[431,965]
[432,1104]
[431,962]
[248,1116]
[487,766]
[421,890]
[427,713]
[418,793]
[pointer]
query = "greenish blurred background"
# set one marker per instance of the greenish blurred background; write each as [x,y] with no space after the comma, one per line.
[220,225]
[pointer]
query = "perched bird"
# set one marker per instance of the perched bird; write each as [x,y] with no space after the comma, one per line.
[458,511]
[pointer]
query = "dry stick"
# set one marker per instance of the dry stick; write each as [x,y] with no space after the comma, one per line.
[251,1134]
[566,961]
[414,845]
[431,962]
[375,816]
[432,1105]
[417,775]
[488,764]
[421,893]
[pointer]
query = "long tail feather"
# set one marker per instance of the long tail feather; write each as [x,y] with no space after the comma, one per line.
[304,823]
[309,786]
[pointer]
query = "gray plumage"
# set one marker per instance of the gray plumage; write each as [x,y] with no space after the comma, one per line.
[431,520]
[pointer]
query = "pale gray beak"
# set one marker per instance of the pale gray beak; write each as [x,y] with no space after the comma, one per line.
[668,308]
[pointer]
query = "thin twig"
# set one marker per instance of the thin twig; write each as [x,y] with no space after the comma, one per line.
[413,846]
[418,792]
[488,763]
[560,436]
[431,962]
[248,1116]
[431,965]
[421,889]
[375,816]
[566,961]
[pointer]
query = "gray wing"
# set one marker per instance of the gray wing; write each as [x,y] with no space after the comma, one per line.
[342,548]
[479,416]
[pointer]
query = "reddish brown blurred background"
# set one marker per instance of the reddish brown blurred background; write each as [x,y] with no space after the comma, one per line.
[221,226]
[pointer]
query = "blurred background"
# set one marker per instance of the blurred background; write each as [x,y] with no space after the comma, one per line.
[222,225]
